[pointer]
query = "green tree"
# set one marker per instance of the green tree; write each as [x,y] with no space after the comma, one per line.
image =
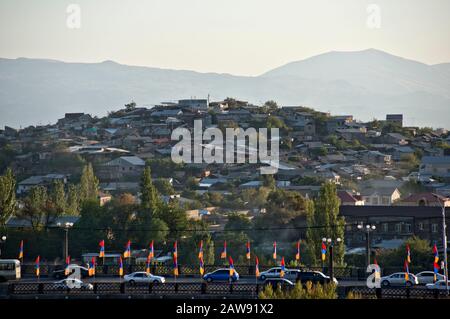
[35,207]
[58,198]
[7,196]
[88,184]
[150,200]
[73,200]
[164,187]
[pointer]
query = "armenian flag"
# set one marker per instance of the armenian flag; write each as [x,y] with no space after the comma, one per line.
[202,266]
[324,251]
[175,259]
[151,253]
[37,265]
[377,272]
[102,249]
[406,267]
[283,267]
[408,254]
[297,255]
[91,267]
[200,250]
[256,266]
[67,270]
[127,253]
[248,250]
[223,255]
[231,266]
[436,254]
[21,250]
[120,266]
[147,265]
[436,270]
[274,255]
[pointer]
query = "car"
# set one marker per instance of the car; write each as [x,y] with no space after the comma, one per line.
[314,277]
[427,277]
[282,282]
[275,273]
[438,285]
[143,277]
[222,274]
[398,279]
[61,272]
[72,283]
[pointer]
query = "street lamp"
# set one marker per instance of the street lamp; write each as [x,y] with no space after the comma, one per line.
[66,226]
[331,244]
[367,229]
[444,240]
[2,241]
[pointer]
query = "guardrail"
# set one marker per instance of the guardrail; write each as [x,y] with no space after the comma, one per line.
[199,290]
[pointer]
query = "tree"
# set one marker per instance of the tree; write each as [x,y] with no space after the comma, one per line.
[326,221]
[130,106]
[150,201]
[309,291]
[88,184]
[35,206]
[7,196]
[73,200]
[58,198]
[164,187]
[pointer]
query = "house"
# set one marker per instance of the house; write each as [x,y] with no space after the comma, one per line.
[336,122]
[349,199]
[376,158]
[395,138]
[122,167]
[380,192]
[39,180]
[395,119]
[194,104]
[425,199]
[438,166]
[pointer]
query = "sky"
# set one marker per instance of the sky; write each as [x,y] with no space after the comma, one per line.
[241,37]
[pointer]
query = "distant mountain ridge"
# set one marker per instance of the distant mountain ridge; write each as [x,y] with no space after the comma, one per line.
[367,84]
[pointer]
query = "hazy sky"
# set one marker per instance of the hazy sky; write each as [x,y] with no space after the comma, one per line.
[243,37]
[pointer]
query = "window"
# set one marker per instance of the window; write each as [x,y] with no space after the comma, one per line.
[385,227]
[408,228]
[420,226]
[434,228]
[398,227]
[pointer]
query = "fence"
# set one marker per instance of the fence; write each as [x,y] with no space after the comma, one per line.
[397,293]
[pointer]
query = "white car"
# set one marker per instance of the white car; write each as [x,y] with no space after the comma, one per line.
[439,285]
[289,274]
[427,277]
[398,279]
[72,283]
[143,277]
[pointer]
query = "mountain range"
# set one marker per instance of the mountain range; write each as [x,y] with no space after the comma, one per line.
[367,84]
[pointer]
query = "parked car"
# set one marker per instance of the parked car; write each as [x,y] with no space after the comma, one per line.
[314,277]
[427,277]
[143,277]
[282,282]
[222,274]
[398,279]
[439,285]
[61,273]
[72,283]
[290,274]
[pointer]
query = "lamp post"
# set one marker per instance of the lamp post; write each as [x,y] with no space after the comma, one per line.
[367,229]
[2,242]
[444,241]
[331,244]
[66,226]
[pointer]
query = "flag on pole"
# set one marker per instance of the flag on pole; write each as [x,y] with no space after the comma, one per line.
[223,255]
[324,251]
[147,264]
[408,254]
[202,266]
[91,267]
[377,272]
[436,270]
[256,266]
[297,255]
[37,265]
[151,253]
[127,253]
[406,267]
[120,266]
[21,250]
[200,250]
[435,263]
[67,270]
[283,267]
[248,251]
[102,249]
[175,259]
[274,255]
[436,254]
[231,266]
